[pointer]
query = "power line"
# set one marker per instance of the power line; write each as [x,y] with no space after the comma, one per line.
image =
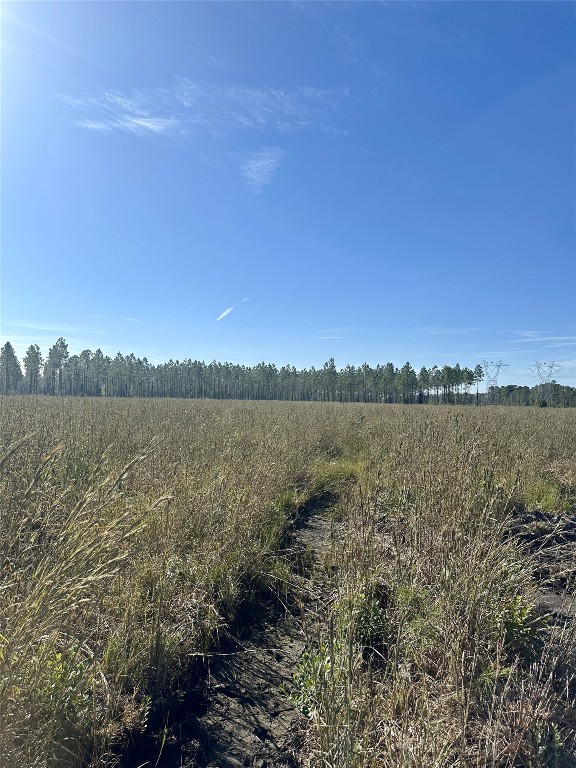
[526,377]
[491,371]
[545,372]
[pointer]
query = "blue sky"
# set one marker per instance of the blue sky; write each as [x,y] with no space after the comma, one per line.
[292,181]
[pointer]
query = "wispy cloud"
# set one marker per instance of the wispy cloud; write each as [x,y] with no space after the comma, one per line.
[340,329]
[22,334]
[348,47]
[242,106]
[39,326]
[531,336]
[436,330]
[381,74]
[119,319]
[149,124]
[138,112]
[225,313]
[542,341]
[193,105]
[259,168]
[137,125]
[96,125]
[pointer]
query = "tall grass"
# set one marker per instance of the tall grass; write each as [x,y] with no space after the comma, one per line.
[436,653]
[132,532]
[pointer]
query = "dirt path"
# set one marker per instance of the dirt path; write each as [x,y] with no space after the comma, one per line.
[243,716]
[551,540]
[251,720]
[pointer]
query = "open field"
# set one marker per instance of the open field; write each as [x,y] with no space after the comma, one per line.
[135,534]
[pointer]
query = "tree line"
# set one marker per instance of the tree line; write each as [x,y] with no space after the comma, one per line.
[97,375]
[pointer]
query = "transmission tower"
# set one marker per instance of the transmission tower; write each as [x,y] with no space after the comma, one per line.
[545,372]
[491,371]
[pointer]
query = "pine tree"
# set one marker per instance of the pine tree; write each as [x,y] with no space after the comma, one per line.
[478,376]
[10,371]
[57,356]
[423,385]
[408,383]
[33,366]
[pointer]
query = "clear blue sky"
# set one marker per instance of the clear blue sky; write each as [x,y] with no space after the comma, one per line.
[292,181]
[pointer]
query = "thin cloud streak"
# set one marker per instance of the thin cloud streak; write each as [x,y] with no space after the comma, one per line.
[259,169]
[340,329]
[119,319]
[209,107]
[22,341]
[137,125]
[529,337]
[225,313]
[48,327]
[435,330]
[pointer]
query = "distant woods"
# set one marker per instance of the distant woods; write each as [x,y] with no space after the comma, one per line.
[97,375]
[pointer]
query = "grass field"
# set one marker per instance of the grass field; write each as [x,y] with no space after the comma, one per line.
[133,531]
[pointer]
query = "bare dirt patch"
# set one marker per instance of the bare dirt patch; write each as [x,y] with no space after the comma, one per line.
[550,538]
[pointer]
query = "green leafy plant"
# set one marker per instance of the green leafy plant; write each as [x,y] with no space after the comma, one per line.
[310,680]
[524,629]
[370,625]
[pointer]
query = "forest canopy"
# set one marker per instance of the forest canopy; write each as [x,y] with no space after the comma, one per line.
[97,375]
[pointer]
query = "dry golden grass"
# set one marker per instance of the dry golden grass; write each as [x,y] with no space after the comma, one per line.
[437,652]
[132,530]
